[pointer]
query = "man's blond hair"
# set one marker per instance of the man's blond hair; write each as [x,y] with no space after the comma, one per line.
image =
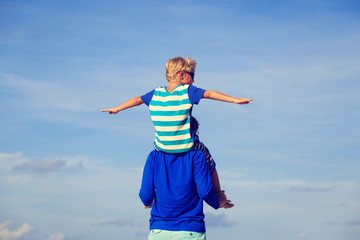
[177,64]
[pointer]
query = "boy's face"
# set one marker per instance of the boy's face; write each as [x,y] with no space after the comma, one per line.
[186,78]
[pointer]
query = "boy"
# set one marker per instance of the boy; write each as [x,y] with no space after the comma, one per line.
[171,108]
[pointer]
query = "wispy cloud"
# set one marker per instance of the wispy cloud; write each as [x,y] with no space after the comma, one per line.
[77,103]
[311,189]
[46,95]
[355,224]
[46,166]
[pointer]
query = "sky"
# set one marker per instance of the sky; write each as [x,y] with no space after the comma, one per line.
[289,160]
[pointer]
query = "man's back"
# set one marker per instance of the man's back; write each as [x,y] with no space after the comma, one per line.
[180,182]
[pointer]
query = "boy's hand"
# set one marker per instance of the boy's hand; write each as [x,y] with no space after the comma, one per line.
[224,202]
[136,101]
[110,110]
[243,100]
[215,95]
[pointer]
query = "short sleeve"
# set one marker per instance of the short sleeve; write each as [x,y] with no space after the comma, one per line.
[195,94]
[147,190]
[147,97]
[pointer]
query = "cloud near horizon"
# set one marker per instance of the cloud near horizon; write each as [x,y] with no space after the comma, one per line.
[57,236]
[21,232]
[121,222]
[7,234]
[218,220]
[99,180]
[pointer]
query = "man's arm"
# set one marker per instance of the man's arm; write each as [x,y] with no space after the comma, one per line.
[136,101]
[211,94]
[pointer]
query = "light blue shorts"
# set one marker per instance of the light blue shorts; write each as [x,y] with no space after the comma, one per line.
[157,234]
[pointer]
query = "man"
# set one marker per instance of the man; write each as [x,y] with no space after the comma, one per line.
[175,185]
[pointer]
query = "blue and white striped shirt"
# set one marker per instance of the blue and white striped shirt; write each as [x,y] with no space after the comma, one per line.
[170,113]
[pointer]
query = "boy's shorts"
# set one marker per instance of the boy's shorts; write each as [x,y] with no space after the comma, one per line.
[157,234]
[209,160]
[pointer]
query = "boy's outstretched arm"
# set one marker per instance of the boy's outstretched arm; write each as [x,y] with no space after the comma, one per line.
[136,101]
[211,94]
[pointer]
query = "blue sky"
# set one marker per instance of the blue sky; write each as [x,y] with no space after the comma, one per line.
[289,160]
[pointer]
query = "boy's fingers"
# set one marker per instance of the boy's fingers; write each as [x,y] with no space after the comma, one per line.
[228,205]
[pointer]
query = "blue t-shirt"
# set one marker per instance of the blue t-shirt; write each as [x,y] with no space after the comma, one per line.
[171,113]
[178,184]
[195,95]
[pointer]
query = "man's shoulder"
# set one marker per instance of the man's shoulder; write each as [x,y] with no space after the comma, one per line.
[197,155]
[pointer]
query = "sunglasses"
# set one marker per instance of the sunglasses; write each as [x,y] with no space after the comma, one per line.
[190,73]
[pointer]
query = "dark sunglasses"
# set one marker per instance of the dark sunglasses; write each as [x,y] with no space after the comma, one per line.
[190,73]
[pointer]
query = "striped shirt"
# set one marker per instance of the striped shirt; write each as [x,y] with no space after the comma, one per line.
[170,113]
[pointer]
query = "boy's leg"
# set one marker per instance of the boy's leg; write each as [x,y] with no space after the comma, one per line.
[224,202]
[216,181]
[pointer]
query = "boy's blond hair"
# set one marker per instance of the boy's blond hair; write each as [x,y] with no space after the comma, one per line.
[177,64]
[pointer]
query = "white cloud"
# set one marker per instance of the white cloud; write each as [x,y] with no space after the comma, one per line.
[7,234]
